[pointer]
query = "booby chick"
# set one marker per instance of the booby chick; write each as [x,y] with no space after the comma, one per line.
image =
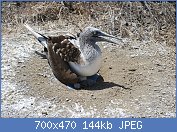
[74,59]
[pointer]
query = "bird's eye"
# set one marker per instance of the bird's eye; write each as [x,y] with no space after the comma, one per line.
[95,32]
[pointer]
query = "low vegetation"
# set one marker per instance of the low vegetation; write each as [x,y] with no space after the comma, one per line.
[136,20]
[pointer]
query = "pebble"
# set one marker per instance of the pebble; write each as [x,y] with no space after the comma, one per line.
[158,64]
[156,90]
[44,113]
[50,107]
[163,93]
[67,99]
[21,61]
[132,69]
[135,47]
[110,67]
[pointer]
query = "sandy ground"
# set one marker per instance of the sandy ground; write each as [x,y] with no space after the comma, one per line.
[146,69]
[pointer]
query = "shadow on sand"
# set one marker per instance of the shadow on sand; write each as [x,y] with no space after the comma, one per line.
[104,85]
[100,85]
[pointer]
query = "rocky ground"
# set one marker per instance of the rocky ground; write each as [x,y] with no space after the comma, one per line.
[139,79]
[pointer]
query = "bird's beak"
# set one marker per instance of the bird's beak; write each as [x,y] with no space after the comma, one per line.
[109,38]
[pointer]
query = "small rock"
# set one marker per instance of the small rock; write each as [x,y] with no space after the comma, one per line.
[163,93]
[20,61]
[156,90]
[132,69]
[44,113]
[50,107]
[135,47]
[161,112]
[158,64]
[67,99]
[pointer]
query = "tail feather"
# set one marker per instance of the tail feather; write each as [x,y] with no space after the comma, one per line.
[41,38]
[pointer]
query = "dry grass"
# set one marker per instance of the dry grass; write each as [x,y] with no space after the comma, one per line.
[139,21]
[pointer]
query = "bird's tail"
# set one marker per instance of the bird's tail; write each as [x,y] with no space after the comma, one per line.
[41,38]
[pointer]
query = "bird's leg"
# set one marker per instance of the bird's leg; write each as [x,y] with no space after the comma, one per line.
[83,82]
[86,81]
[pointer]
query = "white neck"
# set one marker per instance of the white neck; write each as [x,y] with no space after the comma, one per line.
[91,56]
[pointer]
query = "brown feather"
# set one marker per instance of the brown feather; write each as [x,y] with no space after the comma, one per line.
[60,51]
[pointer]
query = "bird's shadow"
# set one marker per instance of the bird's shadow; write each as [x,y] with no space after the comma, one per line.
[101,84]
[104,85]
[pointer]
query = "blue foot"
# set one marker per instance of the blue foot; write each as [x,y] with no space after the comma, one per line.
[91,80]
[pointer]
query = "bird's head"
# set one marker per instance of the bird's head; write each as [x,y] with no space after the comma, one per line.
[96,35]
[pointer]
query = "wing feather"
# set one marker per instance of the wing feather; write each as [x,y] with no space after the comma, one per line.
[60,52]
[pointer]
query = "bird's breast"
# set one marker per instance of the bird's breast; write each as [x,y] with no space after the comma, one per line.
[89,68]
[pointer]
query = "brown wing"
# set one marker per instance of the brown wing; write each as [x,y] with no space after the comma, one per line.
[60,51]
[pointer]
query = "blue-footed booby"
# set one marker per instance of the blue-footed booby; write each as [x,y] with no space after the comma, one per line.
[73,59]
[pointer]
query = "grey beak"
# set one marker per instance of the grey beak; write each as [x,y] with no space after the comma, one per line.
[110,38]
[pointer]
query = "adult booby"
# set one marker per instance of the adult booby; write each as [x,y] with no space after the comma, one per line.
[71,58]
